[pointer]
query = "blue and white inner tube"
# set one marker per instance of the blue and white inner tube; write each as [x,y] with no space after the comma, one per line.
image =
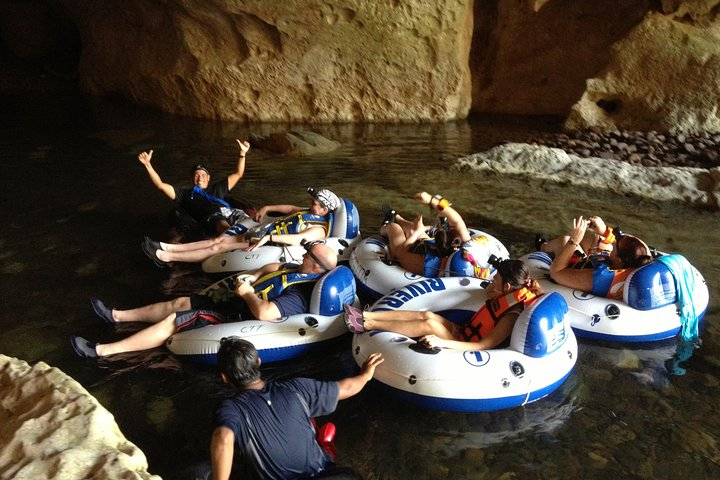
[648,311]
[344,235]
[378,274]
[540,356]
[282,339]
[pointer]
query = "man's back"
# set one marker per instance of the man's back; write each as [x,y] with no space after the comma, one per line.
[273,434]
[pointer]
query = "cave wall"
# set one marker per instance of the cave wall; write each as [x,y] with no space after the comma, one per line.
[616,64]
[311,60]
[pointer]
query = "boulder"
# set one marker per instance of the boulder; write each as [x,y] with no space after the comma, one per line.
[301,143]
[696,186]
[52,428]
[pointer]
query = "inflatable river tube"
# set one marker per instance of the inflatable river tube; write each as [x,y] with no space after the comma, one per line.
[377,274]
[344,235]
[275,340]
[540,356]
[647,312]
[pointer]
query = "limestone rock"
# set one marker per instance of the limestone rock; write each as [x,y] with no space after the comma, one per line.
[665,75]
[295,142]
[695,186]
[52,428]
[533,58]
[272,61]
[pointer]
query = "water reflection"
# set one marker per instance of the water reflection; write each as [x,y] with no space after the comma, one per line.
[77,205]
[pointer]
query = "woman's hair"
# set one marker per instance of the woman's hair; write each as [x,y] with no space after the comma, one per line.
[517,274]
[632,252]
[238,359]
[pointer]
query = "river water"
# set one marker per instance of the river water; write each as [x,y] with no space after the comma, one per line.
[76,205]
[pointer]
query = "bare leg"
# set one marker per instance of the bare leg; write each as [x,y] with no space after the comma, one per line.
[152,313]
[201,254]
[202,244]
[151,337]
[400,250]
[410,323]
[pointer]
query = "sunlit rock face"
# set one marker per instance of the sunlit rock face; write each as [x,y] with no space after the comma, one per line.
[266,60]
[534,57]
[617,64]
[664,75]
[52,428]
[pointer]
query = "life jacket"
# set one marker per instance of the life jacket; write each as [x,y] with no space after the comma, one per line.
[610,283]
[270,286]
[210,198]
[299,221]
[484,320]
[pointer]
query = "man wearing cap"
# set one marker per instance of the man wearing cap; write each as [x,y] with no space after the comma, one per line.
[274,291]
[204,202]
[298,224]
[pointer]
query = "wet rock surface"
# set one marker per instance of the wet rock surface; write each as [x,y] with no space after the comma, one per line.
[648,149]
[51,427]
[691,185]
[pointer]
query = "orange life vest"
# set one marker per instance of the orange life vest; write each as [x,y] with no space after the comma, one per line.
[480,325]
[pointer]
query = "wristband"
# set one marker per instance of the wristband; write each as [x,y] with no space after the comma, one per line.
[442,204]
[608,237]
[572,242]
[271,237]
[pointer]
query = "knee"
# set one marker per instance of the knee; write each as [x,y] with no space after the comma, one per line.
[180,304]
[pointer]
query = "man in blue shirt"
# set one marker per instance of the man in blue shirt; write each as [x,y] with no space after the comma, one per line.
[265,430]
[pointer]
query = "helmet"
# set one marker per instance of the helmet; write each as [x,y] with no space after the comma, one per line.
[326,198]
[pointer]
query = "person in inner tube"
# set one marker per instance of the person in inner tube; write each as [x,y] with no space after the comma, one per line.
[603,275]
[598,240]
[298,224]
[508,294]
[205,201]
[420,249]
[266,429]
[291,297]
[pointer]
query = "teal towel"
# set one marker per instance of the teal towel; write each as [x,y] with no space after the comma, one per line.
[684,277]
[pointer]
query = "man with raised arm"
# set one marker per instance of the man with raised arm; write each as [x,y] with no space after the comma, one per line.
[204,202]
[266,430]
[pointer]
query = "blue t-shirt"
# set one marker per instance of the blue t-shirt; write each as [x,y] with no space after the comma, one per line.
[274,438]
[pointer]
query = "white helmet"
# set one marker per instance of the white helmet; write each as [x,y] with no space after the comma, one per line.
[326,198]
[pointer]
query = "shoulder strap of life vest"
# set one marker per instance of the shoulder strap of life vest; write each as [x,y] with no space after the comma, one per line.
[302,220]
[485,319]
[270,286]
[211,198]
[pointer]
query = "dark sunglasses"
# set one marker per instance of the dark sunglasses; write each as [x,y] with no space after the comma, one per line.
[308,249]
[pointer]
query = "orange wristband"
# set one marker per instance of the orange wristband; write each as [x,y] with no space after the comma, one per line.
[609,237]
[442,204]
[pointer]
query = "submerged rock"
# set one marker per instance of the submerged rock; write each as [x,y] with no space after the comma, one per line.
[295,142]
[51,427]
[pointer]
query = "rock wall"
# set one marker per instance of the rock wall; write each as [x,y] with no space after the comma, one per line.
[52,428]
[533,58]
[617,64]
[263,60]
[664,75]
